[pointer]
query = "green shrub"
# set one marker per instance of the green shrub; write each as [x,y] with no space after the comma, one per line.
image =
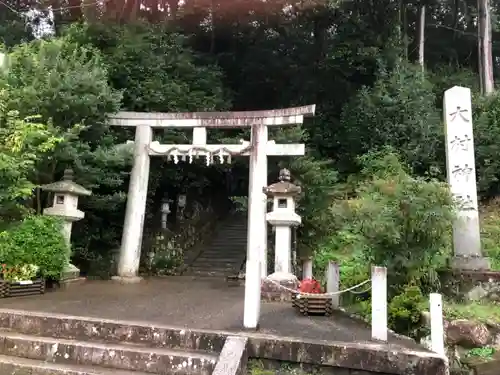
[490,232]
[404,312]
[36,240]
[393,220]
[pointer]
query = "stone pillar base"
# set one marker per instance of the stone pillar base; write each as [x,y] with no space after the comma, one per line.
[271,290]
[70,272]
[470,263]
[70,276]
[69,283]
[127,280]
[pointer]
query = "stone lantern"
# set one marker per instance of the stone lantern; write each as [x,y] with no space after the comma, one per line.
[282,217]
[165,210]
[65,206]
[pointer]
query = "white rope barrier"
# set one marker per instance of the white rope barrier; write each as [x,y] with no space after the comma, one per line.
[299,293]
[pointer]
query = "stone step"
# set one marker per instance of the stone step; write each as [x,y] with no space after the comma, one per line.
[229,241]
[218,253]
[110,331]
[219,259]
[206,273]
[228,244]
[228,248]
[118,356]
[216,267]
[225,270]
[232,232]
[23,366]
[226,254]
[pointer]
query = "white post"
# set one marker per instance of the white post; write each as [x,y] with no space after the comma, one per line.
[379,303]
[437,330]
[130,252]
[307,269]
[257,200]
[251,312]
[332,283]
[282,249]
[461,174]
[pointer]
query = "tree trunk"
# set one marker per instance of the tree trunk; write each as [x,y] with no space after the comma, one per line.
[485,54]
[421,37]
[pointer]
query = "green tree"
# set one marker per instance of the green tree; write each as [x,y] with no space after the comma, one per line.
[398,111]
[23,141]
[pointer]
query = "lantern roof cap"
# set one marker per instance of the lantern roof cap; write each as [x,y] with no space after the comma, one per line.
[66,185]
[284,187]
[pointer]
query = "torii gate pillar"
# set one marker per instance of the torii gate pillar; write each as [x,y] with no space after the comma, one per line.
[257,200]
[130,250]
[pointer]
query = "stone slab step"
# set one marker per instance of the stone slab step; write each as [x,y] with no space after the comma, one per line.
[233,235]
[214,267]
[229,253]
[118,356]
[220,261]
[23,366]
[228,246]
[228,249]
[111,331]
[201,273]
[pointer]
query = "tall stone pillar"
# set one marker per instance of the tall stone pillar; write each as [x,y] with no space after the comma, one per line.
[257,200]
[461,173]
[257,230]
[130,251]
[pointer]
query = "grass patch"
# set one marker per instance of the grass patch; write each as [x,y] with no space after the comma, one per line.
[490,232]
[477,311]
[255,367]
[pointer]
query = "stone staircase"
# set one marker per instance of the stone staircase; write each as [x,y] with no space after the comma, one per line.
[225,255]
[36,344]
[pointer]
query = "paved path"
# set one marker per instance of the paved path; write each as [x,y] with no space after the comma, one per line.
[194,303]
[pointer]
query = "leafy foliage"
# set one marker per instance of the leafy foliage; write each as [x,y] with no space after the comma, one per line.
[486,139]
[405,312]
[398,111]
[22,143]
[164,73]
[36,240]
[61,81]
[397,221]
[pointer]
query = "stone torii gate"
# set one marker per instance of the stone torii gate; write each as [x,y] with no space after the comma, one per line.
[258,149]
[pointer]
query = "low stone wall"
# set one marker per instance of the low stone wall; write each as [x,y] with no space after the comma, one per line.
[348,358]
[471,285]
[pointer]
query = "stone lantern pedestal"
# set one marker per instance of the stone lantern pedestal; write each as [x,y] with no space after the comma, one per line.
[276,287]
[65,206]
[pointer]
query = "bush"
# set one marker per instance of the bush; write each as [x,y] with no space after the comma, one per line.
[405,221]
[490,232]
[36,240]
[396,221]
[404,312]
